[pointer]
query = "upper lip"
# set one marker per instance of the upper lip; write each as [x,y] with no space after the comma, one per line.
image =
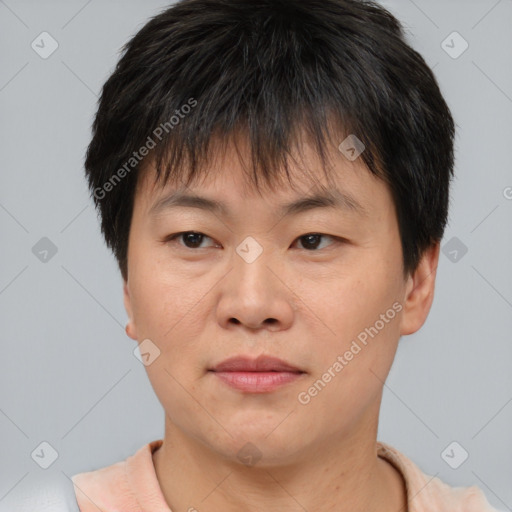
[250,364]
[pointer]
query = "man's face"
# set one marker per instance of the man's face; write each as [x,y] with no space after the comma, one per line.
[255,284]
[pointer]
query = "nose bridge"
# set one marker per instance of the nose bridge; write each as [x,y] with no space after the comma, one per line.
[252,260]
[252,295]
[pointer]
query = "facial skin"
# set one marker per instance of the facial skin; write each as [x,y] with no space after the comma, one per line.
[298,301]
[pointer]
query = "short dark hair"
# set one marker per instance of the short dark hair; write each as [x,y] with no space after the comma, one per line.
[272,69]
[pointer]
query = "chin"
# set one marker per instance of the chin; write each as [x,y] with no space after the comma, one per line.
[258,447]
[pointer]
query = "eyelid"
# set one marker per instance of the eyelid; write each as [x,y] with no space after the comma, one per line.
[172,238]
[335,240]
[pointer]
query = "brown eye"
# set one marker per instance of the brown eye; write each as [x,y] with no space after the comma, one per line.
[311,241]
[189,239]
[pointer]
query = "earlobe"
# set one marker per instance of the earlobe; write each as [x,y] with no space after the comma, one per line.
[130,326]
[130,331]
[420,291]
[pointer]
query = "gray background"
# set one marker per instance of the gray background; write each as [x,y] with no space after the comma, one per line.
[68,373]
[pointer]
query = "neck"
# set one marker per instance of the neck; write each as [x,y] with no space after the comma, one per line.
[339,475]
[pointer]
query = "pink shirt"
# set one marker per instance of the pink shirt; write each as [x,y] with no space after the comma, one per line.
[132,486]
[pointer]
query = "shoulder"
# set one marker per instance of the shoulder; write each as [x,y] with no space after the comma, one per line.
[103,488]
[115,487]
[426,493]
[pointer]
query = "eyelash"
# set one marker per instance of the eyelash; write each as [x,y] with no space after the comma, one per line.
[172,239]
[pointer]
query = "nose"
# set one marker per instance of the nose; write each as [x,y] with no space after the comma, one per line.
[255,295]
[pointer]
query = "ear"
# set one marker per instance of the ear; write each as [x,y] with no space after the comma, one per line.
[130,326]
[420,291]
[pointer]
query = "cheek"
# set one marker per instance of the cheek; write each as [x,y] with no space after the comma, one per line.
[363,319]
[162,299]
[352,368]
[354,301]
[172,310]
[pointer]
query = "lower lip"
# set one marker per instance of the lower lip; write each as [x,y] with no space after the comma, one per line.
[257,382]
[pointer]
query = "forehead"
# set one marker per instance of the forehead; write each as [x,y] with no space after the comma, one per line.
[225,182]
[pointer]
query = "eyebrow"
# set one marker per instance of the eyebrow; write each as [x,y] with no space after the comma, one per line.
[333,198]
